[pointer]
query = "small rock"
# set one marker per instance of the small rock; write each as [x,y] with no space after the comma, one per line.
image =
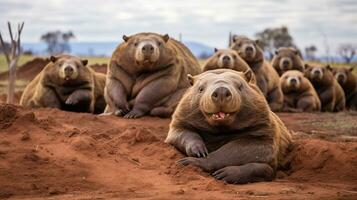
[25,136]
[180,191]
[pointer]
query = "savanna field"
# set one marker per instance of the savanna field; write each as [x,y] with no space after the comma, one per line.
[52,154]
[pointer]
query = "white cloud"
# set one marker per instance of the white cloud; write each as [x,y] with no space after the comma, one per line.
[206,21]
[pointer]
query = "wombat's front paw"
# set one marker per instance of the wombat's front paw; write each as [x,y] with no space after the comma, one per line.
[202,163]
[120,112]
[196,149]
[71,101]
[189,161]
[134,114]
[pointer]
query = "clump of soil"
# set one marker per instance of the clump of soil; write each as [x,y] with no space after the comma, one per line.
[54,154]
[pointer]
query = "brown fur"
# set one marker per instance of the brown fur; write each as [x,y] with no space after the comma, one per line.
[235,63]
[267,77]
[289,56]
[140,83]
[330,92]
[348,82]
[81,93]
[247,145]
[218,61]
[299,94]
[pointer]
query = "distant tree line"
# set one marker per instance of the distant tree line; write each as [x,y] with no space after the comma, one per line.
[57,41]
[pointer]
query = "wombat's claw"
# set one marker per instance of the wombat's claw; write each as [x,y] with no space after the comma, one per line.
[187,161]
[198,150]
[219,174]
[133,114]
[71,101]
[228,174]
[119,112]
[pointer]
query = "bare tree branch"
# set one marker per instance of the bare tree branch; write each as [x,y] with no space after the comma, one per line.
[5,50]
[12,57]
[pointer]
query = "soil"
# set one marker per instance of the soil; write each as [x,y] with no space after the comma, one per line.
[52,154]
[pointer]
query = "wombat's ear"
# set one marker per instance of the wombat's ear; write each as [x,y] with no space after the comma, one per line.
[350,69]
[215,50]
[248,75]
[166,37]
[234,38]
[329,67]
[84,62]
[307,66]
[296,52]
[53,59]
[125,38]
[191,79]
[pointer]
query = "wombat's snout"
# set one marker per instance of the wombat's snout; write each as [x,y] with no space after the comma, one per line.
[68,70]
[286,63]
[226,58]
[341,78]
[293,81]
[147,49]
[221,95]
[316,72]
[249,49]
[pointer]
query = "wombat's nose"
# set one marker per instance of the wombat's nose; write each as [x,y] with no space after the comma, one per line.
[226,58]
[317,72]
[68,69]
[147,49]
[221,95]
[293,81]
[249,49]
[285,63]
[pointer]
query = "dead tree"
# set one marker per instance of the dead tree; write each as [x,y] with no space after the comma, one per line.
[12,55]
[347,52]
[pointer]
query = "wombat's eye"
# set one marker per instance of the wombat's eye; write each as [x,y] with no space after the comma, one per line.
[159,43]
[200,89]
[135,44]
[299,78]
[234,57]
[240,87]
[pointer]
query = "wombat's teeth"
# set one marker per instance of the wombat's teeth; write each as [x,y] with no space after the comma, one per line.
[220,115]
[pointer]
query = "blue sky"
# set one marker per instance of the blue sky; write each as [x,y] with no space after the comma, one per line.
[205,21]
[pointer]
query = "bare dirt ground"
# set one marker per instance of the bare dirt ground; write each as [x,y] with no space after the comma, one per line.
[52,154]
[48,153]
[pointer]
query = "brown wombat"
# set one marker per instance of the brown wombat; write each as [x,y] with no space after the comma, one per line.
[225,59]
[348,82]
[299,94]
[266,76]
[147,75]
[224,124]
[66,83]
[287,58]
[330,92]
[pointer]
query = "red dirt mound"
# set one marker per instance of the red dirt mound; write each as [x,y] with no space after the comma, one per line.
[29,70]
[102,68]
[3,97]
[54,154]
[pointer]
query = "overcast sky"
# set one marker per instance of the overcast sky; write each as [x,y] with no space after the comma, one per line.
[205,21]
